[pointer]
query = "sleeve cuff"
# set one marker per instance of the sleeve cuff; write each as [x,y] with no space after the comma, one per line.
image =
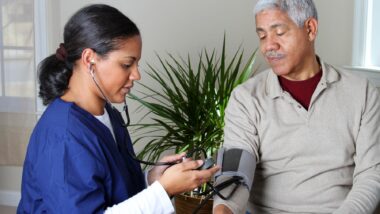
[153,199]
[163,196]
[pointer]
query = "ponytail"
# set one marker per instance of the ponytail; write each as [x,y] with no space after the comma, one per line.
[53,76]
[98,27]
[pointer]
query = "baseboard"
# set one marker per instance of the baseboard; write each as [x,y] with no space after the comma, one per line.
[9,198]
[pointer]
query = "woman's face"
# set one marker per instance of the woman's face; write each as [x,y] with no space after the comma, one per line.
[119,69]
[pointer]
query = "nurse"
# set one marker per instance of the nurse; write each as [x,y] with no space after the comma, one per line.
[79,155]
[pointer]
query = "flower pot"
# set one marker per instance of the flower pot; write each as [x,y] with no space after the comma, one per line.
[187,204]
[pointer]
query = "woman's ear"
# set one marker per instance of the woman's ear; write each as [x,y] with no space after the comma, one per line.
[311,26]
[88,57]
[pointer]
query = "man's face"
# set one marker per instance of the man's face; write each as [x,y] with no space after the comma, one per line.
[285,46]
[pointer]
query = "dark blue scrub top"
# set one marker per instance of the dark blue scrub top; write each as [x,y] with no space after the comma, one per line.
[74,165]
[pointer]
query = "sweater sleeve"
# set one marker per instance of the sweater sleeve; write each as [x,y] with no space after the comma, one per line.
[240,132]
[154,199]
[364,196]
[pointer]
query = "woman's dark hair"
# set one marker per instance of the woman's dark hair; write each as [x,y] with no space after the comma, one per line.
[99,27]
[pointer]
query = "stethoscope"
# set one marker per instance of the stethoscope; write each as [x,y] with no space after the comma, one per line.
[214,190]
[127,123]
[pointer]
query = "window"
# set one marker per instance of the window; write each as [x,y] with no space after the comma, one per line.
[366,52]
[373,44]
[22,44]
[17,73]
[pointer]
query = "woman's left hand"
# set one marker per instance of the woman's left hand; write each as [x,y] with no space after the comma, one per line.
[156,172]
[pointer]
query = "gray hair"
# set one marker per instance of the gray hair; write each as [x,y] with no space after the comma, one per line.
[298,10]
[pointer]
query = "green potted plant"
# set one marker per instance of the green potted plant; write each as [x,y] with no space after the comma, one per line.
[188,112]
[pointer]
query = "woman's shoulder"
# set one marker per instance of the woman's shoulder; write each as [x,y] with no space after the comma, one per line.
[64,121]
[64,128]
[56,114]
[63,115]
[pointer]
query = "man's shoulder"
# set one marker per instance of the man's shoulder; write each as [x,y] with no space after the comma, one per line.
[257,82]
[346,76]
[351,83]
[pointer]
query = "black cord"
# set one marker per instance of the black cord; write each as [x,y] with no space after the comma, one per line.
[188,155]
[234,180]
[126,124]
[202,203]
[152,163]
[125,109]
[216,190]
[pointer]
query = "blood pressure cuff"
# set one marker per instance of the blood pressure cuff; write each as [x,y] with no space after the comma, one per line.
[237,162]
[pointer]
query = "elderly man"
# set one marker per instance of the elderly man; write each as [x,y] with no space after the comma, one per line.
[311,130]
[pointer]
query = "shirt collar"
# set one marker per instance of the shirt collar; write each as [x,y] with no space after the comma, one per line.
[273,87]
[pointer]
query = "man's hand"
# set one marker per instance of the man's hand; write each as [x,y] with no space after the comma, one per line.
[222,209]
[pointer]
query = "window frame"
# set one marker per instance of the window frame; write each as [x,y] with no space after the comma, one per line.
[20,104]
[362,21]
[41,43]
[362,33]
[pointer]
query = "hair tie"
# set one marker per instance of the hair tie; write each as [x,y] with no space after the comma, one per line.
[61,53]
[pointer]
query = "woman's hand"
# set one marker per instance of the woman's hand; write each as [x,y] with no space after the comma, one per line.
[156,172]
[184,177]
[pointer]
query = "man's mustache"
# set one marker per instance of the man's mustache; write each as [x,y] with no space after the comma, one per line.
[274,54]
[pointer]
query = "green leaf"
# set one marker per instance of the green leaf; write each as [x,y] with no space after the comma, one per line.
[187,111]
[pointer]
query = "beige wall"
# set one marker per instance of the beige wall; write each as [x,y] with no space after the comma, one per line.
[334,42]
[187,26]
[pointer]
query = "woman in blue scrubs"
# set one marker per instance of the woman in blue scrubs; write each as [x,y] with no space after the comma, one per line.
[78,158]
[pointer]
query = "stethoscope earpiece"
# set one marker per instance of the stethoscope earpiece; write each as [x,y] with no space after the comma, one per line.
[92,72]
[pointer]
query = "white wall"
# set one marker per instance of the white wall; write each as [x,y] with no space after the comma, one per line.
[10,180]
[178,27]
[187,26]
[334,41]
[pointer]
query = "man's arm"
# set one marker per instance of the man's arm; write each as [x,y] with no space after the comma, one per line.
[236,204]
[364,196]
[240,133]
[222,209]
